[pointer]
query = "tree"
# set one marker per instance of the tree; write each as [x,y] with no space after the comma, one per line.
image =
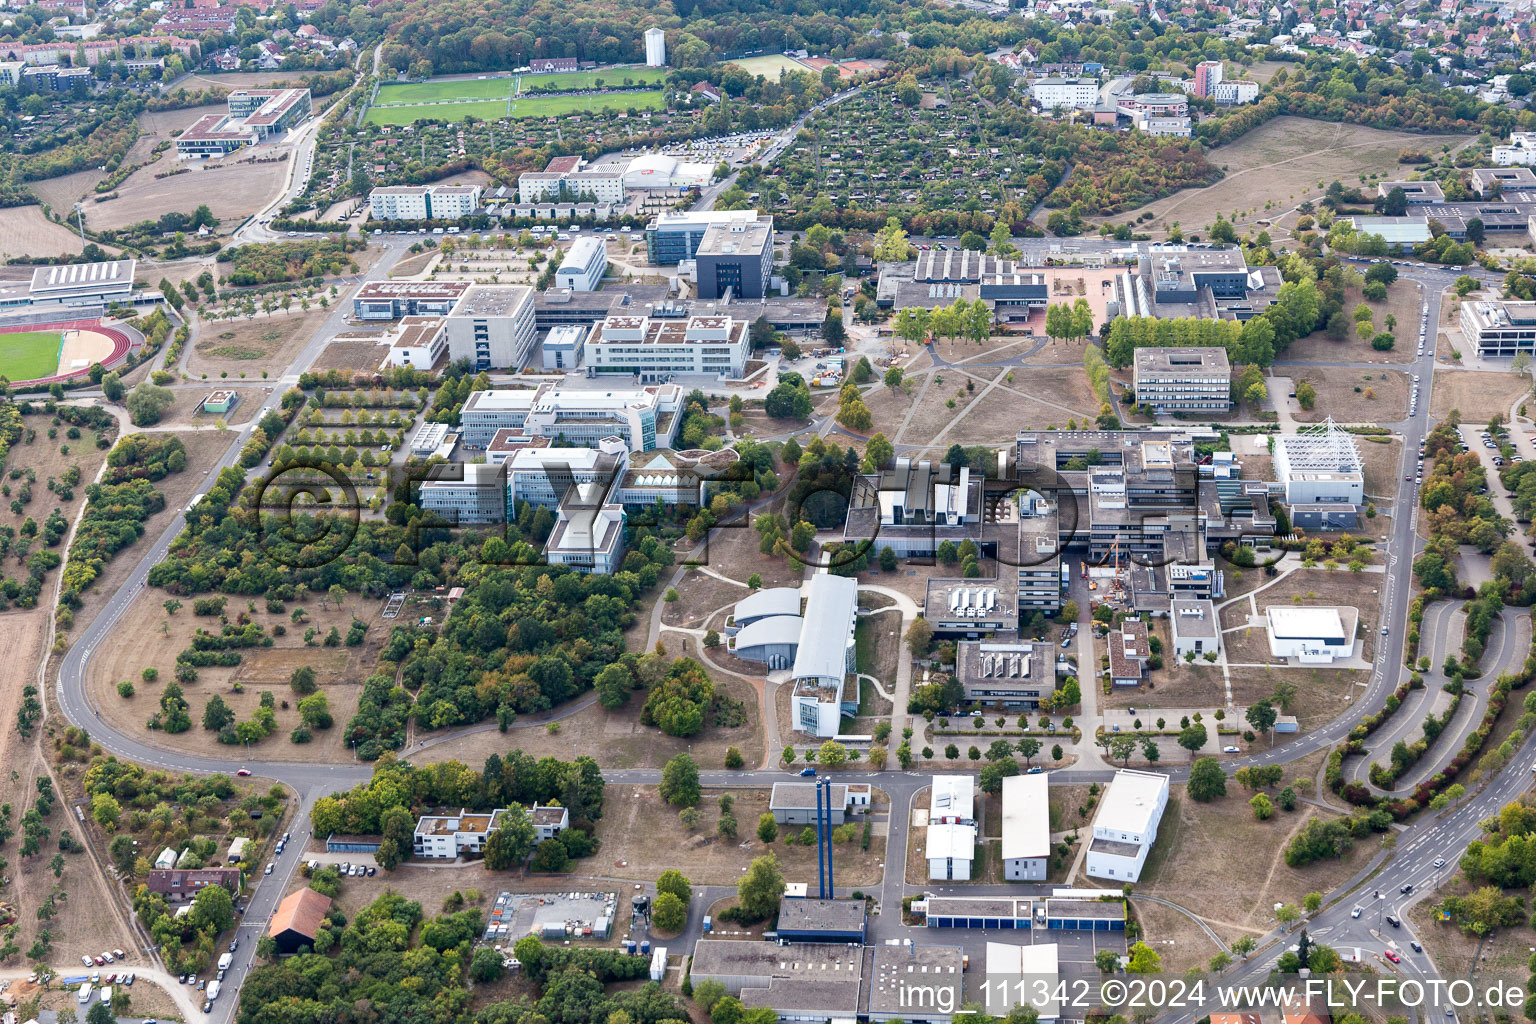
[1263,809]
[680,781]
[112,387]
[1028,748]
[761,887]
[1207,780]
[1262,716]
[1306,395]
[891,245]
[832,754]
[877,452]
[486,965]
[217,714]
[668,913]
[1193,738]
[512,842]
[893,377]
[919,637]
[1313,901]
[1150,750]
[302,681]
[832,330]
[1107,961]
[1144,959]
[1396,202]
[148,402]
[767,827]
[213,909]
[733,758]
[1122,747]
[1288,915]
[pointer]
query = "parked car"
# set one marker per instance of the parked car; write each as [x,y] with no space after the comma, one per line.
[807,773]
[1230,750]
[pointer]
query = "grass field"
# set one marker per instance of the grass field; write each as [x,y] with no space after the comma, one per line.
[772,67]
[495,110]
[439,91]
[589,79]
[29,355]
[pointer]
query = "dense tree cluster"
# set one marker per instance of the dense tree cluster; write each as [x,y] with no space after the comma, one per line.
[270,262]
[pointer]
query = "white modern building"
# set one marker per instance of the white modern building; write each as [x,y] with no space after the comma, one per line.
[662,171]
[1498,327]
[584,265]
[1195,627]
[423,202]
[1311,635]
[1236,91]
[465,493]
[1026,838]
[492,325]
[569,178]
[1521,151]
[541,475]
[561,348]
[420,342]
[824,656]
[951,849]
[1126,825]
[645,418]
[1320,465]
[656,349]
[589,532]
[446,836]
[655,48]
[1074,93]
[674,237]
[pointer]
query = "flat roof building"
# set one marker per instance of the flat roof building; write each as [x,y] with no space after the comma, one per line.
[1321,465]
[83,284]
[970,607]
[735,259]
[562,346]
[808,920]
[1026,836]
[423,202]
[645,418]
[1004,674]
[1037,969]
[420,342]
[1192,379]
[656,349]
[1498,327]
[794,803]
[1126,825]
[492,326]
[674,237]
[253,115]
[465,493]
[1311,635]
[391,300]
[584,265]
[589,531]
[801,982]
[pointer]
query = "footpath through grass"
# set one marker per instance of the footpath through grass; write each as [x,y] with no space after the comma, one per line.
[29,355]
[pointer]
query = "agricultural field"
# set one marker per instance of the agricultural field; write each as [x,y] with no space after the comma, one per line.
[28,355]
[233,189]
[24,231]
[1273,168]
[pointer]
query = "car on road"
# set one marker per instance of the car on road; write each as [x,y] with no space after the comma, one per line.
[1414,944]
[243,771]
[1355,912]
[1230,750]
[1385,630]
[1405,890]
[234,945]
[207,1005]
[807,773]
[1391,956]
[269,868]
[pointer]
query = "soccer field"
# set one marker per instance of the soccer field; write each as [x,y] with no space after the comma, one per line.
[772,66]
[531,106]
[439,91]
[589,79]
[30,354]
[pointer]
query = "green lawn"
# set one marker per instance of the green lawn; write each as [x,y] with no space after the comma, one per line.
[434,90]
[610,77]
[495,110]
[30,354]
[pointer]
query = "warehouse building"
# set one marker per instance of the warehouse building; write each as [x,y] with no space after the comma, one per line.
[1024,976]
[297,920]
[735,259]
[1026,835]
[802,982]
[492,326]
[794,803]
[951,839]
[584,265]
[808,920]
[914,984]
[1193,379]
[1126,826]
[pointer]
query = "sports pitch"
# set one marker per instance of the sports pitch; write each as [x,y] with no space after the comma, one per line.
[30,355]
[528,106]
[773,66]
[444,91]
[589,79]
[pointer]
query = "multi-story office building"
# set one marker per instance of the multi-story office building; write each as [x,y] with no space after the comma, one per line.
[562,346]
[657,349]
[424,202]
[824,656]
[391,300]
[643,418]
[584,265]
[1194,379]
[1012,675]
[1236,91]
[735,258]
[589,531]
[253,115]
[674,237]
[1075,93]
[465,493]
[541,475]
[1499,328]
[492,326]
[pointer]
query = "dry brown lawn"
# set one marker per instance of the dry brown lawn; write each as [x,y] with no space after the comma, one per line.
[233,188]
[1479,395]
[1353,396]
[701,596]
[413,265]
[1281,163]
[147,637]
[642,837]
[24,231]
[263,343]
[1234,884]
[1381,458]
[1404,301]
[351,355]
[188,413]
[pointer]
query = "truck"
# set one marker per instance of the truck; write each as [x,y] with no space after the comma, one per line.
[708,924]
[225,960]
[213,990]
